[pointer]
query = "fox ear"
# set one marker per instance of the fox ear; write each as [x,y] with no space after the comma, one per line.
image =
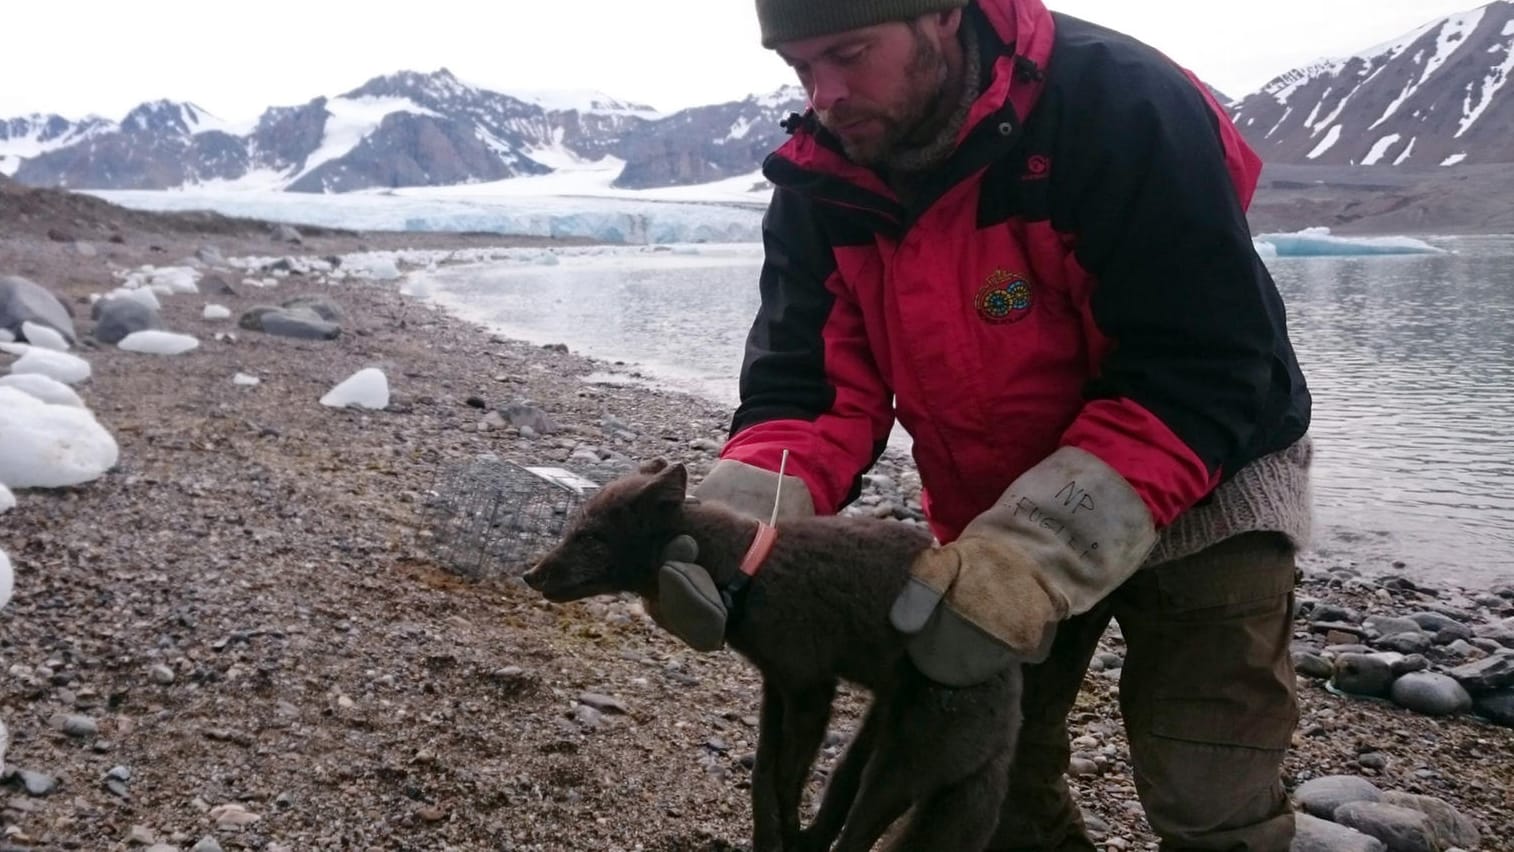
[669,485]
[653,466]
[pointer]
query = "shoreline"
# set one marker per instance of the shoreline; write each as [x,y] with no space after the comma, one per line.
[248,613]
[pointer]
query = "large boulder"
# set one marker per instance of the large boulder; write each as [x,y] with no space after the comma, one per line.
[22,301]
[120,317]
[302,322]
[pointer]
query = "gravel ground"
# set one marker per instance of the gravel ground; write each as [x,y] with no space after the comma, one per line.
[239,637]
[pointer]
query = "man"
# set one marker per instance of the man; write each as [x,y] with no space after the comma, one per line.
[1024,236]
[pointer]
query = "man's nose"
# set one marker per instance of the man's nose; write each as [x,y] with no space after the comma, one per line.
[827,88]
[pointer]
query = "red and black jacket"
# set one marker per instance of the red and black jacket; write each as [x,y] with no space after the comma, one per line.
[1079,273]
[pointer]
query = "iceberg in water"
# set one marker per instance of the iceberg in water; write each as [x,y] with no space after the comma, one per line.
[1319,242]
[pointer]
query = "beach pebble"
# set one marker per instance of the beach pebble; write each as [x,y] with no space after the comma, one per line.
[1400,829]
[1409,642]
[1312,665]
[1452,828]
[1387,625]
[1501,632]
[1494,672]
[1433,622]
[1312,834]
[23,300]
[1363,674]
[1431,694]
[1322,796]
[1497,706]
[37,783]
[75,726]
[520,414]
[120,316]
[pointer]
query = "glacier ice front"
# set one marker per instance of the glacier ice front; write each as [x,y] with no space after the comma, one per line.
[632,221]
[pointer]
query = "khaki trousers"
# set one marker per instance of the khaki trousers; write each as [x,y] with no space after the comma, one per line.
[1207,695]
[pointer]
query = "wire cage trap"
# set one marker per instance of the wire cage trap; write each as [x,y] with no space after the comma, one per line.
[490,517]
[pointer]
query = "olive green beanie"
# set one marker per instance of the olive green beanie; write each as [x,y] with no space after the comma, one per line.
[786,20]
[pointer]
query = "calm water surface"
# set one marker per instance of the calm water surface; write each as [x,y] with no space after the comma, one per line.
[1410,359]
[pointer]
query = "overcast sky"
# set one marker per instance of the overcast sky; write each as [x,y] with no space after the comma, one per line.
[85,56]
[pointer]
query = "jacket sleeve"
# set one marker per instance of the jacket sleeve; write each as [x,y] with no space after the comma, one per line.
[1155,195]
[808,380]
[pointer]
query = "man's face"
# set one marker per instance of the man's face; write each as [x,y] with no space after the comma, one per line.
[874,87]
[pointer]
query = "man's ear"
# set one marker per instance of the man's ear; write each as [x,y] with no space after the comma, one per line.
[948,21]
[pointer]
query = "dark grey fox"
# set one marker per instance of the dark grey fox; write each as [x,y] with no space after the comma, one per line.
[814,614]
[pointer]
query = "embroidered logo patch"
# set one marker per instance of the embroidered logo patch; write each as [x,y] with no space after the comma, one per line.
[1005,297]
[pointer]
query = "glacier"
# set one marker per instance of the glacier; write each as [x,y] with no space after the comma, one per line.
[611,220]
[730,212]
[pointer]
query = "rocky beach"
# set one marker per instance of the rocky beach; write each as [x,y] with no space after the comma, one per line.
[240,636]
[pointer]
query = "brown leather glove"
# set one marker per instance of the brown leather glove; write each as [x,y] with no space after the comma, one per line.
[1064,535]
[750,490]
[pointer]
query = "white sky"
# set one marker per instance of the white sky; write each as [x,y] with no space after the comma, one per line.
[85,56]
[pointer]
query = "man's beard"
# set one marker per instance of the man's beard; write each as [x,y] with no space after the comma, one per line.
[926,77]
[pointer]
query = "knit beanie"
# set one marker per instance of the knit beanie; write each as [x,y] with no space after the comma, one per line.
[786,20]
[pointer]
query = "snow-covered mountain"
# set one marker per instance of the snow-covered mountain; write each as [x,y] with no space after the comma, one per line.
[1439,95]
[32,135]
[400,130]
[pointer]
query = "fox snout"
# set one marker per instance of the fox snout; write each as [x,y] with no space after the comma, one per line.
[560,577]
[536,578]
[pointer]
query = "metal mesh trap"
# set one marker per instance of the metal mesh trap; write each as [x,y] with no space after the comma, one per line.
[490,517]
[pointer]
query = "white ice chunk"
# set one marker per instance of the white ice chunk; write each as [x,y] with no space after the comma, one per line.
[50,446]
[1319,242]
[217,312]
[43,387]
[245,380]
[146,297]
[7,503]
[66,368]
[175,279]
[380,267]
[6,336]
[158,342]
[367,388]
[44,336]
[7,585]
